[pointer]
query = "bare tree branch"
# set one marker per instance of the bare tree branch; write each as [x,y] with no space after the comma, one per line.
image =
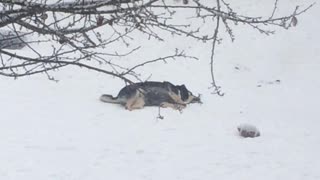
[93,33]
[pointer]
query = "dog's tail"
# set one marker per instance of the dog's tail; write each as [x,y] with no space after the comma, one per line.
[110,99]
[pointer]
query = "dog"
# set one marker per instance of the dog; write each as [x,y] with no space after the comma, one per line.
[152,93]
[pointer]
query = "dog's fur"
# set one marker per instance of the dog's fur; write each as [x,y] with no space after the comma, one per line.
[151,93]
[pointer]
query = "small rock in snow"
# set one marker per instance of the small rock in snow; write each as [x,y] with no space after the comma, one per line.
[247,130]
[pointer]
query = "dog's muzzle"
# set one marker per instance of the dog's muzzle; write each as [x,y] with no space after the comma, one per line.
[196,99]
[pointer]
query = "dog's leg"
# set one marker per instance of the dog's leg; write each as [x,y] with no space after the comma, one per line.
[138,103]
[131,101]
[129,104]
[135,102]
[173,106]
[176,98]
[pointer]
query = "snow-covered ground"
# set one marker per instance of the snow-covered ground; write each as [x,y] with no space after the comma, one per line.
[60,131]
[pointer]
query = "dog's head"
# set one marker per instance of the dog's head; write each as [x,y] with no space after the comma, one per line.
[187,96]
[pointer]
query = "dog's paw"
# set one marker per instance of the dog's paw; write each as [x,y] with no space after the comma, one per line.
[180,107]
[173,106]
[163,105]
[128,108]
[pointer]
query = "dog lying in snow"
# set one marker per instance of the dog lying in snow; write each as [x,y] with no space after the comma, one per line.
[151,93]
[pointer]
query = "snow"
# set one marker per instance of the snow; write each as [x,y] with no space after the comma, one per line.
[60,130]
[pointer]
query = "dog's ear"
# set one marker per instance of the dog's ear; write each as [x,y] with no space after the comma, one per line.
[184,93]
[183,88]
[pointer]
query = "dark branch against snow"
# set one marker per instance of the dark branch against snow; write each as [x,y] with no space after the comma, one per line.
[90,33]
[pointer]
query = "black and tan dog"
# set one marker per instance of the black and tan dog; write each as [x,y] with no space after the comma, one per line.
[151,93]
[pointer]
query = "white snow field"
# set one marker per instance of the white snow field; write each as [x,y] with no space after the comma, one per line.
[60,131]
